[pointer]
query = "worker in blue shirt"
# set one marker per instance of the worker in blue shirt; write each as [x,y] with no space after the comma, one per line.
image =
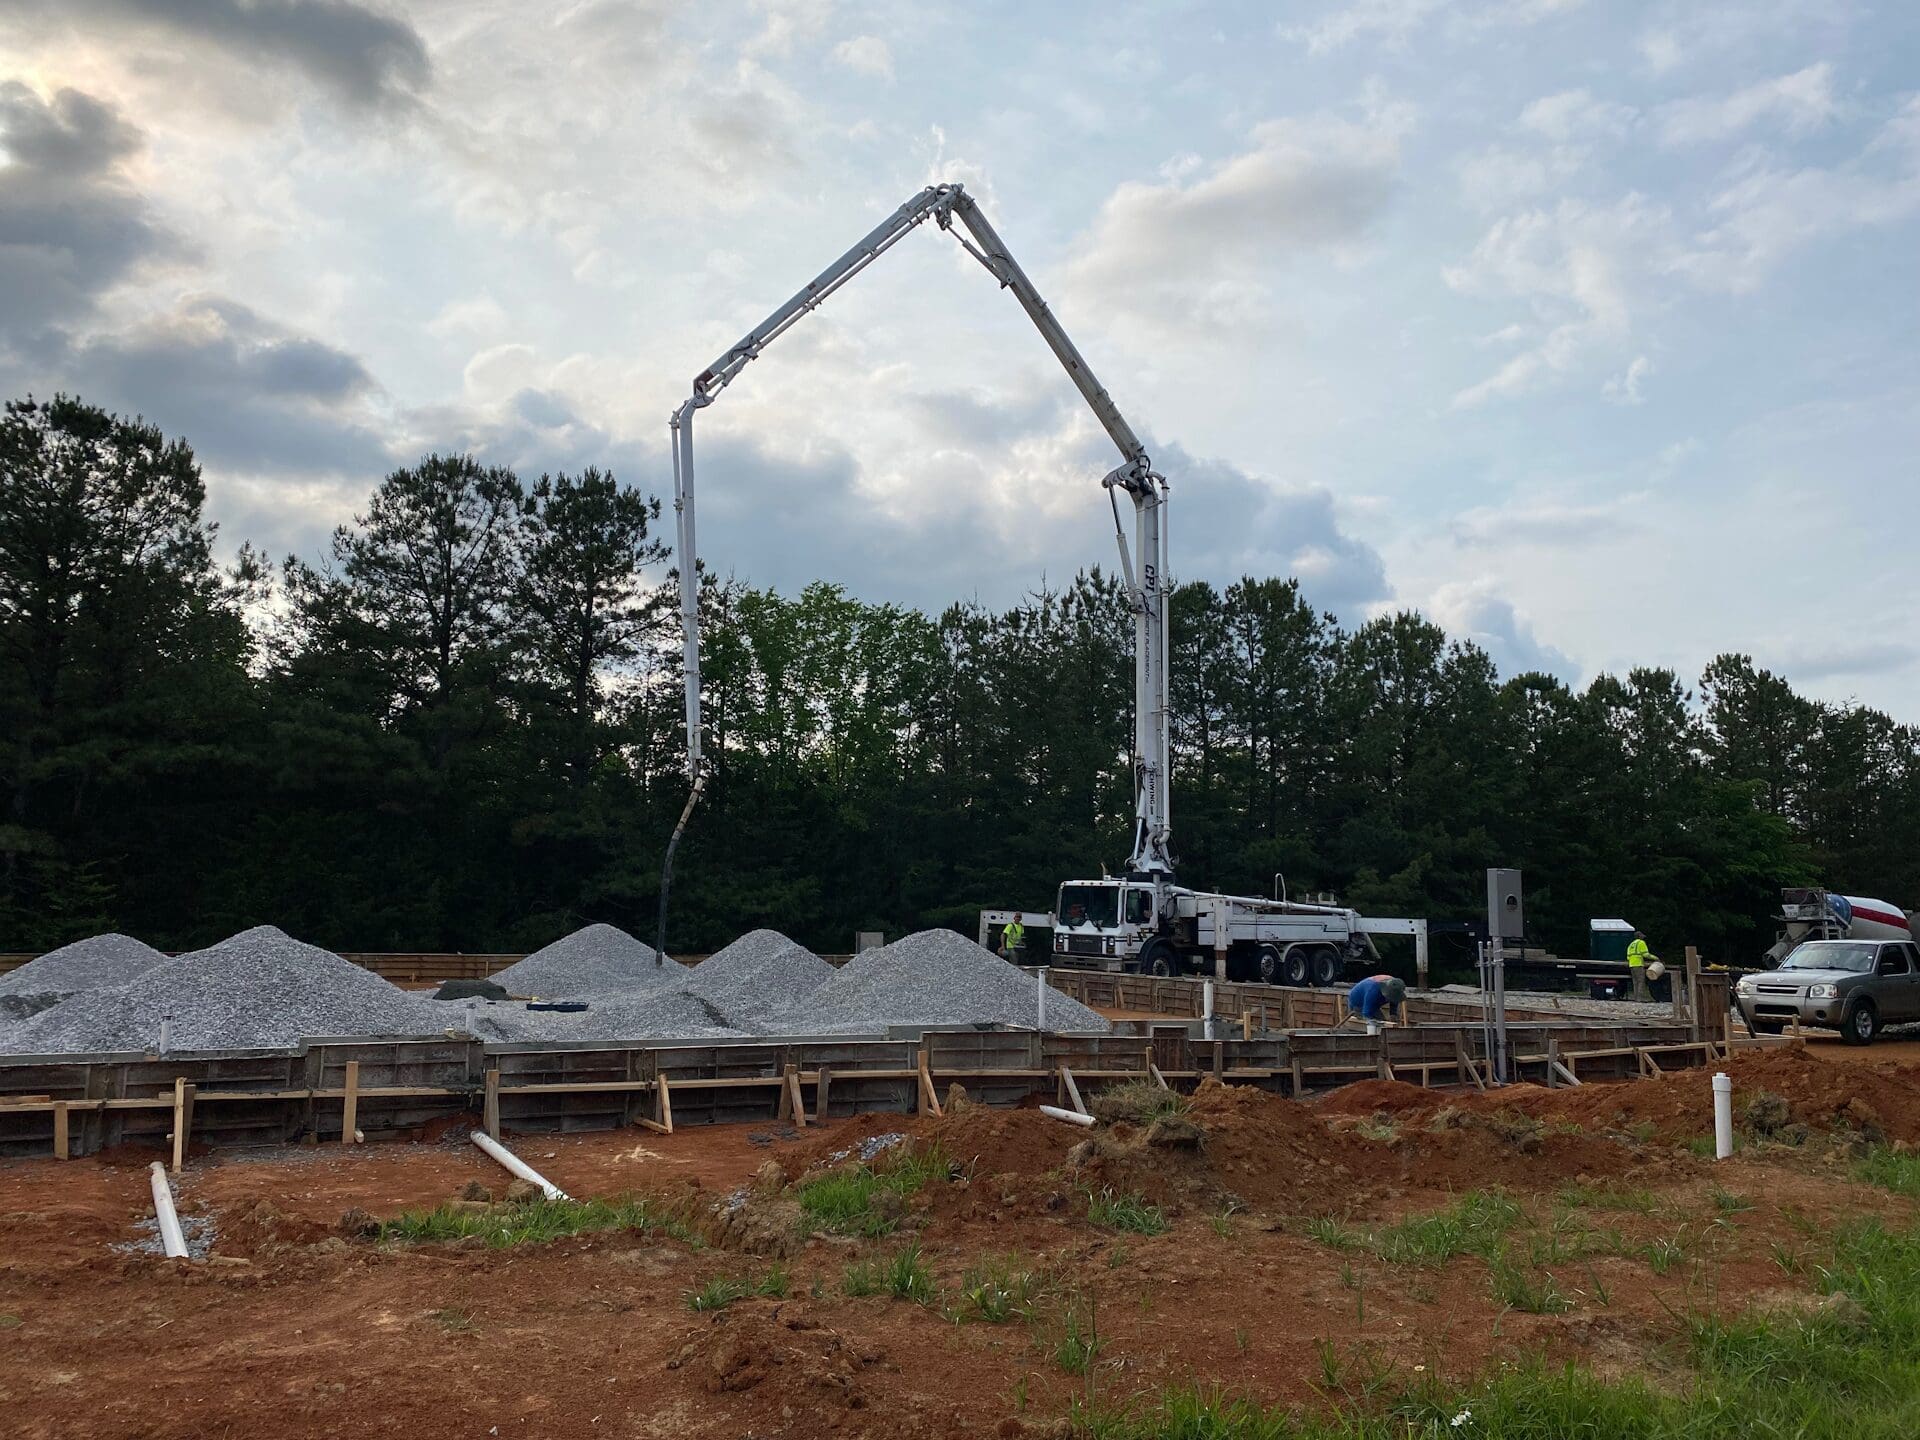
[1374,996]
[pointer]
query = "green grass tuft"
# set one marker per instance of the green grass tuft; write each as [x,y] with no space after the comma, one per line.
[532,1223]
[1128,1211]
[843,1201]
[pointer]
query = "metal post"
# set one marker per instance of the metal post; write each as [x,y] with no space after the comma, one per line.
[1499,962]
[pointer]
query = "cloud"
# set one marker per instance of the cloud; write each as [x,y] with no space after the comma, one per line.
[1576,114]
[1832,658]
[1584,271]
[1548,522]
[362,55]
[866,55]
[1473,610]
[1800,102]
[70,226]
[1624,388]
[1195,252]
[1396,21]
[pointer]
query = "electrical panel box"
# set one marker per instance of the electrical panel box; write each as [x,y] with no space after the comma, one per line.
[1506,915]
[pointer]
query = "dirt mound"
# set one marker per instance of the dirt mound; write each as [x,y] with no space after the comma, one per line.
[1372,1097]
[1833,1095]
[754,1342]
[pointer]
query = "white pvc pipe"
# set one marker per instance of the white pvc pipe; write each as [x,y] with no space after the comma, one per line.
[1072,1117]
[1722,1116]
[172,1241]
[1041,1022]
[515,1165]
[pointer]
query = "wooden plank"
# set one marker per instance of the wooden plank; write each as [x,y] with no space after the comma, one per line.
[350,1109]
[179,1122]
[1073,1091]
[1159,1079]
[60,1147]
[1565,1073]
[798,1105]
[822,1081]
[929,1101]
[490,1115]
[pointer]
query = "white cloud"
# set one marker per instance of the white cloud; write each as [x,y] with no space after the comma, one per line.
[1576,114]
[1799,102]
[1393,20]
[866,55]
[1549,521]
[1474,610]
[1584,271]
[1624,388]
[1195,253]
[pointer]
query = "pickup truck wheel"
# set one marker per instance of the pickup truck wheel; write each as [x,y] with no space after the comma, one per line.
[1270,965]
[1297,966]
[1862,1023]
[1326,965]
[1160,958]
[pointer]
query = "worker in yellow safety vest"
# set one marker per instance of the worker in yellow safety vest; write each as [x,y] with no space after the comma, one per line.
[1013,940]
[1637,957]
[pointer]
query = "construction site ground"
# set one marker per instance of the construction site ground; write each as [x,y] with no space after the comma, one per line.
[1276,1276]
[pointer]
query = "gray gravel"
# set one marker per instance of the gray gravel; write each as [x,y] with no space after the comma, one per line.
[594,960]
[758,975]
[646,1015]
[936,977]
[260,988]
[84,965]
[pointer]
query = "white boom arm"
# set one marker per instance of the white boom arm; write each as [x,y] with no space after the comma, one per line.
[1135,475]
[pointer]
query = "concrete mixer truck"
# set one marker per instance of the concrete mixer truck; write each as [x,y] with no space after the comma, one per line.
[1815,914]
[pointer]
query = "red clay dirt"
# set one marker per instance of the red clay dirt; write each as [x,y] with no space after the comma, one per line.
[292,1330]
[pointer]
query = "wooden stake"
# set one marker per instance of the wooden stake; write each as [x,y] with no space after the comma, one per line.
[784,1109]
[793,1093]
[820,1094]
[1468,1070]
[1073,1091]
[60,1149]
[929,1102]
[182,1118]
[1246,1025]
[1158,1078]
[350,1110]
[490,1115]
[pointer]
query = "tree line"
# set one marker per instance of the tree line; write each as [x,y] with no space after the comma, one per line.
[459,728]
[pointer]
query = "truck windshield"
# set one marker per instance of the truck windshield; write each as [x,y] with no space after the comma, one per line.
[1831,955]
[1089,905]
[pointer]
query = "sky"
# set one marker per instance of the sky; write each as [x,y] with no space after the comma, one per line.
[1585,327]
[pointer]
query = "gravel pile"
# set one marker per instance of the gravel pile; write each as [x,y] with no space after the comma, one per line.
[758,975]
[936,977]
[261,988]
[594,960]
[647,1015]
[84,965]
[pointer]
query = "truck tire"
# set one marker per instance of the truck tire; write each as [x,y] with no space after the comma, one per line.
[1270,965]
[1861,1024]
[1326,965]
[1160,958]
[1297,965]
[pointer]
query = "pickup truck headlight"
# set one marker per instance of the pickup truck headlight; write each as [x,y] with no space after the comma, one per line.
[1745,985]
[1821,992]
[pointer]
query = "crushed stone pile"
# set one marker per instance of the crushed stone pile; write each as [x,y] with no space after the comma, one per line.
[660,1014]
[935,977]
[593,960]
[757,976]
[260,988]
[93,964]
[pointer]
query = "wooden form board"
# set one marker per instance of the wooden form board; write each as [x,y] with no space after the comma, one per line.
[393,1088]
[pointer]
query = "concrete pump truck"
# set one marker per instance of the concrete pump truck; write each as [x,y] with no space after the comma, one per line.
[1141,920]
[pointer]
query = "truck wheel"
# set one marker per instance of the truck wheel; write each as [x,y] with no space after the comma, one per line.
[1862,1023]
[1326,965]
[1271,966]
[1296,966]
[1160,958]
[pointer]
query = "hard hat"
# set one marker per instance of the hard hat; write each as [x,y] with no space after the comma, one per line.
[1656,969]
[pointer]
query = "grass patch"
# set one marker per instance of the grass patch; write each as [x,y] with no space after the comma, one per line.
[532,1223]
[1127,1211]
[861,1278]
[1728,1203]
[866,1200]
[723,1290]
[454,1322]
[995,1294]
[1137,1102]
[1472,1225]
[907,1278]
[1515,1287]
[1890,1171]
[1079,1342]
[1606,1197]
[1328,1231]
[1850,1375]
